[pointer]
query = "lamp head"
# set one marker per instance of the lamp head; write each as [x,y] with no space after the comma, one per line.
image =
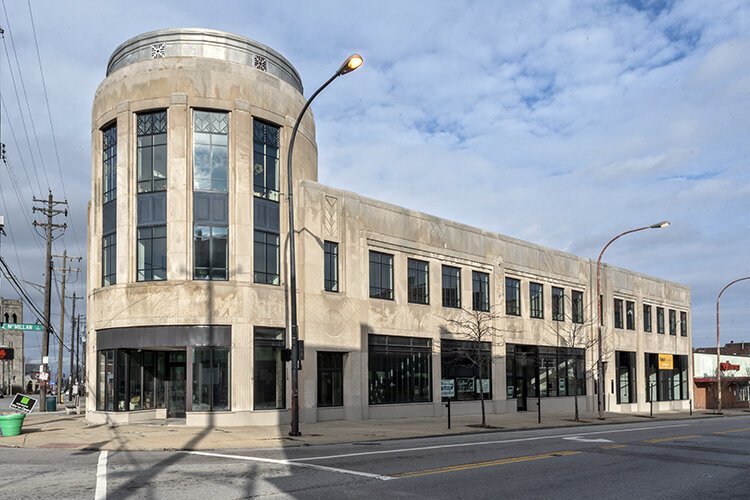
[353,62]
[660,225]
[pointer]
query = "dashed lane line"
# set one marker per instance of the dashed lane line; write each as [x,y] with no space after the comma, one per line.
[673,438]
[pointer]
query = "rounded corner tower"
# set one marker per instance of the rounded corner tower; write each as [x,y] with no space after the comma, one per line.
[190,130]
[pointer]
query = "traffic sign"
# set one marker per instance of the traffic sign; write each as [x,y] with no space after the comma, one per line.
[24,327]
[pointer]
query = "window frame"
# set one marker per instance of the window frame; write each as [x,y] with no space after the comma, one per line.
[147,273]
[648,321]
[660,320]
[536,300]
[617,314]
[683,324]
[414,281]
[381,268]
[330,266]
[673,322]
[261,273]
[630,315]
[512,287]
[558,303]
[263,149]
[480,291]
[336,388]
[577,306]
[150,131]
[451,286]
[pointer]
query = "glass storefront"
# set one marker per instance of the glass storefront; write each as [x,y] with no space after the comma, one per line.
[669,384]
[400,369]
[462,362]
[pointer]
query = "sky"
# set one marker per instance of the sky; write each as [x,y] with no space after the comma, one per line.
[558,122]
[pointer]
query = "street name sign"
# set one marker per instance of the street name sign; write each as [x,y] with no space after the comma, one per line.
[24,327]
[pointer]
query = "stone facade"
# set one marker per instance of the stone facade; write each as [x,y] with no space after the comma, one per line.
[184,71]
[11,372]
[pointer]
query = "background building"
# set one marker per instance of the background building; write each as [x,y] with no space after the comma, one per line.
[187,270]
[735,380]
[11,372]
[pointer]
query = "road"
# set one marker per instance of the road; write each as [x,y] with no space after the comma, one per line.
[700,458]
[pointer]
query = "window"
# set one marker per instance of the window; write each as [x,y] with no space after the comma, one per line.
[109,207]
[666,385]
[460,362]
[547,371]
[130,380]
[210,155]
[577,300]
[152,253]
[210,378]
[536,300]
[266,160]
[381,275]
[109,163]
[630,315]
[210,201]
[660,320]
[418,279]
[558,304]
[399,369]
[269,369]
[109,259]
[512,297]
[480,291]
[266,253]
[625,366]
[330,379]
[646,318]
[451,286]
[210,253]
[151,153]
[331,266]
[672,322]
[618,313]
[683,324]
[105,387]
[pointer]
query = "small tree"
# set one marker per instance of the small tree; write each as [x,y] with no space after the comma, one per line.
[578,334]
[475,327]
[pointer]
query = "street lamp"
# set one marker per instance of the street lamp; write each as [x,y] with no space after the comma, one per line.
[599,362]
[718,344]
[353,62]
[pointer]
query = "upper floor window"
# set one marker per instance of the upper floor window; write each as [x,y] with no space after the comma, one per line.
[646,318]
[630,315]
[109,163]
[536,300]
[558,303]
[151,155]
[210,252]
[683,324]
[672,322]
[381,275]
[480,291]
[331,266]
[577,300]
[109,259]
[266,139]
[418,280]
[210,150]
[151,253]
[266,258]
[660,320]
[618,313]
[451,286]
[512,297]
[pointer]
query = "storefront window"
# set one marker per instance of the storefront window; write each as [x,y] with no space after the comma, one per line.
[270,374]
[552,371]
[330,379]
[668,384]
[625,366]
[400,369]
[462,361]
[210,378]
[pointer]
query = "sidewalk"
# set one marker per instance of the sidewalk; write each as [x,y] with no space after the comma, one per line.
[58,430]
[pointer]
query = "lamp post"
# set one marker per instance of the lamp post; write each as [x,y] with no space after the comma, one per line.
[718,344]
[600,362]
[352,62]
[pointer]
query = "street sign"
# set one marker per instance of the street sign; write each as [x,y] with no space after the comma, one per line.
[665,362]
[23,403]
[24,327]
[447,388]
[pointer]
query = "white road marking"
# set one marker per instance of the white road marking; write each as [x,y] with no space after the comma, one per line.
[482,443]
[584,440]
[101,477]
[296,464]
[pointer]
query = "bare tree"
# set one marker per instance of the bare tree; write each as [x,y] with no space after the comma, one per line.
[575,329]
[476,328]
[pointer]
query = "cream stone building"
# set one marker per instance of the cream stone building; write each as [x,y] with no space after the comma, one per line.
[187,298]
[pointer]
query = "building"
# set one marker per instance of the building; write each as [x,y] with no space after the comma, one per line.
[741,348]
[11,371]
[735,379]
[187,271]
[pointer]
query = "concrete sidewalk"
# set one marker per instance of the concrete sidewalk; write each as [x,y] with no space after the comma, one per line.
[58,430]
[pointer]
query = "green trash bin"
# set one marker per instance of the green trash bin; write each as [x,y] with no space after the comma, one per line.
[10,424]
[51,403]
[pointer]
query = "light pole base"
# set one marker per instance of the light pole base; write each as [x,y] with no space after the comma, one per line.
[295,434]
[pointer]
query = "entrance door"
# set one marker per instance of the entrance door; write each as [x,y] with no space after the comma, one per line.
[175,384]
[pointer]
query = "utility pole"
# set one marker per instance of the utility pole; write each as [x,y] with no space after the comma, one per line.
[73,342]
[65,270]
[49,210]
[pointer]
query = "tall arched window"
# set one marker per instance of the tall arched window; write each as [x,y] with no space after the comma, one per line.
[7,318]
[15,318]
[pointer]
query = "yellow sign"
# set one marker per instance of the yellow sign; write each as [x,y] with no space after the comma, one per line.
[665,362]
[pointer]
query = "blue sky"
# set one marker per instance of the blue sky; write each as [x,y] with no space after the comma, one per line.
[562,123]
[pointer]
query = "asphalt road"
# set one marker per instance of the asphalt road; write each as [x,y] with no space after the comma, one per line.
[703,458]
